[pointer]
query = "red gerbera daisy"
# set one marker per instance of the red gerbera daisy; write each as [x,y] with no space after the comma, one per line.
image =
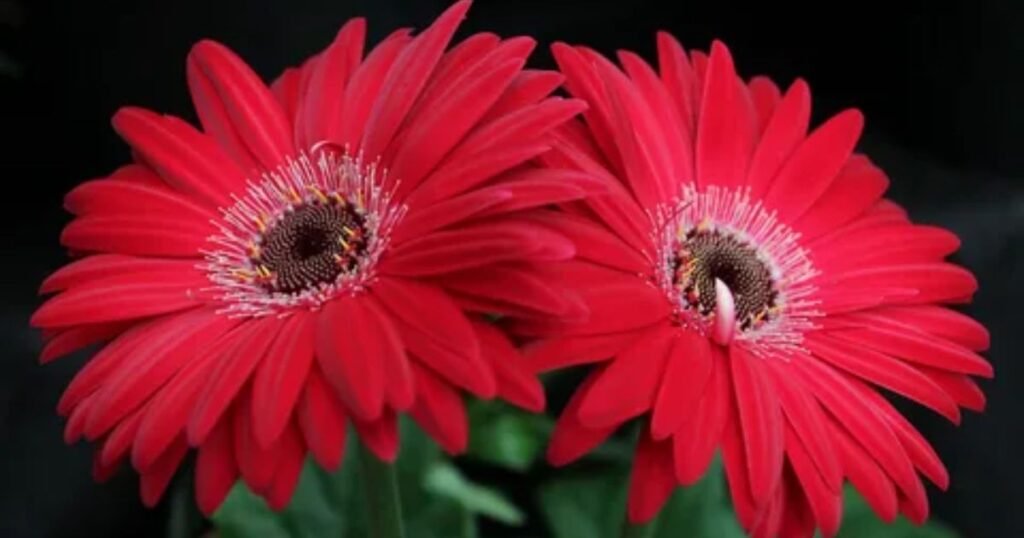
[310,259]
[750,290]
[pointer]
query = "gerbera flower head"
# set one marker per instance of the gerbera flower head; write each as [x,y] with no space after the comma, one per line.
[750,293]
[316,255]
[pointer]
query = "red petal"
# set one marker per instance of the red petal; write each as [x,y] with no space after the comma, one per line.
[679,80]
[942,322]
[323,421]
[286,477]
[168,412]
[686,376]
[439,411]
[571,439]
[808,421]
[516,382]
[468,247]
[253,112]
[917,348]
[320,115]
[143,235]
[447,212]
[860,419]
[493,148]
[529,87]
[109,359]
[884,370]
[595,243]
[279,379]
[761,421]
[766,97]
[725,134]
[76,338]
[406,78]
[351,343]
[697,439]
[189,161]
[556,353]
[444,121]
[651,482]
[112,196]
[628,385]
[678,136]
[809,172]
[826,503]
[116,268]
[255,463]
[858,185]
[237,366]
[785,131]
[866,476]
[155,480]
[934,282]
[445,342]
[216,470]
[521,286]
[380,435]
[153,364]
[365,87]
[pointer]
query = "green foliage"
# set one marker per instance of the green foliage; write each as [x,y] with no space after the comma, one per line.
[437,500]
[584,500]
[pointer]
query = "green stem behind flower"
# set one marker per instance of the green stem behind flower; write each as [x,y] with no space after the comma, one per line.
[383,506]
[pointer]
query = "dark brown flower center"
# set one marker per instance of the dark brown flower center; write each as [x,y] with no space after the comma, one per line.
[310,245]
[706,255]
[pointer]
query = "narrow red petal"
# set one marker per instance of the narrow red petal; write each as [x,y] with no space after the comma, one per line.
[154,481]
[725,133]
[380,435]
[570,440]
[686,376]
[236,368]
[279,379]
[628,385]
[254,114]
[406,78]
[651,481]
[783,133]
[440,412]
[350,344]
[323,421]
[516,382]
[216,470]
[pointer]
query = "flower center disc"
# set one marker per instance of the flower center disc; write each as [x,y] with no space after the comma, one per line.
[310,245]
[706,255]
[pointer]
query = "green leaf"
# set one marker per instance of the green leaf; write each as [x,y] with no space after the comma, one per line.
[859,521]
[244,514]
[444,480]
[332,504]
[589,504]
[702,509]
[507,437]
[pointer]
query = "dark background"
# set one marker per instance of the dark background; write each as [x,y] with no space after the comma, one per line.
[940,84]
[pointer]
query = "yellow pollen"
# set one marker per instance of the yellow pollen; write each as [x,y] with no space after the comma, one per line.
[319,193]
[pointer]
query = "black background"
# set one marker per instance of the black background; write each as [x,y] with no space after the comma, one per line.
[940,84]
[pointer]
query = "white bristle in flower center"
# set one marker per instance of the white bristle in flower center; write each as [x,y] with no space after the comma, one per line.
[304,233]
[721,234]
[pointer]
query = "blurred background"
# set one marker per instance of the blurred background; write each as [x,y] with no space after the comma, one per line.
[940,83]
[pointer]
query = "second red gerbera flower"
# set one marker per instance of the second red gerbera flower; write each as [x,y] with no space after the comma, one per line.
[750,291]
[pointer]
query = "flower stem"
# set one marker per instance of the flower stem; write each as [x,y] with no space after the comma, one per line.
[645,530]
[383,506]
